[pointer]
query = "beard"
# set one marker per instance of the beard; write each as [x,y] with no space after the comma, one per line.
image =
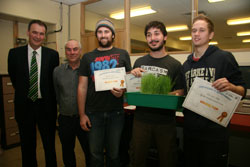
[105,45]
[158,48]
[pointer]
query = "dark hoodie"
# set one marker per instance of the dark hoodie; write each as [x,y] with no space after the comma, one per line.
[214,64]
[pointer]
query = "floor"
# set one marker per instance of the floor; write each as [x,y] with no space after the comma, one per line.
[239,153]
[12,157]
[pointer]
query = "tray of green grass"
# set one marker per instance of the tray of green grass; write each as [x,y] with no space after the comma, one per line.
[171,102]
[154,93]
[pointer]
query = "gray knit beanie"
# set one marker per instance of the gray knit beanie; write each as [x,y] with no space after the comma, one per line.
[105,23]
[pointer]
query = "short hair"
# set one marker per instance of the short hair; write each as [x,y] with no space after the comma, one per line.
[39,22]
[209,22]
[156,24]
[79,44]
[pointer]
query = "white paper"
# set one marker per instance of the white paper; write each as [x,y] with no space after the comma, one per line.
[130,107]
[133,83]
[110,78]
[208,102]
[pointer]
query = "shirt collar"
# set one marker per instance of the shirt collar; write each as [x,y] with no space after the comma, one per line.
[38,51]
[67,66]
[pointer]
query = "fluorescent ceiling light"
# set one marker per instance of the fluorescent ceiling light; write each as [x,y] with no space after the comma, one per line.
[238,21]
[213,43]
[133,12]
[186,38]
[177,28]
[212,1]
[246,40]
[246,33]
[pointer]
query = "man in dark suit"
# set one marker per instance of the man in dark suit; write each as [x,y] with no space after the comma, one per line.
[35,102]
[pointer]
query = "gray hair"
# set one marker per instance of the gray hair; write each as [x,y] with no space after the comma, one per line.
[79,44]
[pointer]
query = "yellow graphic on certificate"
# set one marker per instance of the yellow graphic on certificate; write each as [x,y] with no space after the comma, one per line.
[110,78]
[210,103]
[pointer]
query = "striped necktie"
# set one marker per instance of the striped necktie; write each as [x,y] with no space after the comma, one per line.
[33,90]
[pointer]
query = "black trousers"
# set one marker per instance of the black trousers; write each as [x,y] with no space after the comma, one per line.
[205,153]
[69,129]
[27,130]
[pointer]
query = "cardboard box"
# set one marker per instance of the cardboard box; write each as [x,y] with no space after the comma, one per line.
[243,107]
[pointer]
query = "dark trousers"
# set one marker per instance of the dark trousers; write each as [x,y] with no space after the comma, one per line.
[125,139]
[69,129]
[205,153]
[163,136]
[28,132]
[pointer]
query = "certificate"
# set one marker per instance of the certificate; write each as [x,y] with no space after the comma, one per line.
[109,79]
[133,83]
[208,102]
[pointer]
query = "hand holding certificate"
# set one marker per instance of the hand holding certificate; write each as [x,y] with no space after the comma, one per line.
[110,78]
[133,83]
[208,102]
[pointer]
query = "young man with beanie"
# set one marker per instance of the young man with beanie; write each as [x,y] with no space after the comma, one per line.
[154,125]
[101,113]
[206,142]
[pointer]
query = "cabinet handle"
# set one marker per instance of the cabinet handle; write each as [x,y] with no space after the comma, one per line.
[10,101]
[11,118]
[13,134]
[9,84]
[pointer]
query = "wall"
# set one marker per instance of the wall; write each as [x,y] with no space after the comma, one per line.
[242,57]
[136,32]
[6,41]
[25,10]
[31,9]
[75,22]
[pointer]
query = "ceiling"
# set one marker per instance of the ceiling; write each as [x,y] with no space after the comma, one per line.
[176,12]
[69,2]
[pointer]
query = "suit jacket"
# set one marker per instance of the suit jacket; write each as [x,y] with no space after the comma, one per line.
[19,74]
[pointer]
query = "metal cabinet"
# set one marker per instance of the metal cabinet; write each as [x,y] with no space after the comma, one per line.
[10,135]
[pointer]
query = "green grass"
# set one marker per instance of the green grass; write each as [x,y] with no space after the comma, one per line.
[150,84]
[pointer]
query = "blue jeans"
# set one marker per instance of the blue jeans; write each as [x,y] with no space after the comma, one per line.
[105,134]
